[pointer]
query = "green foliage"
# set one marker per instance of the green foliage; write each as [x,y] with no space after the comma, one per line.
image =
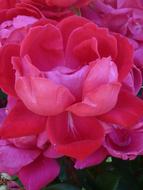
[112,174]
[62,187]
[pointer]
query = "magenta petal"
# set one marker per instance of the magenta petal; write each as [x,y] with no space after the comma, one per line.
[2,115]
[39,173]
[12,159]
[125,144]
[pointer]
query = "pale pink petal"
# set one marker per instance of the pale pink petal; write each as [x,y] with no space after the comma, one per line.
[102,71]
[97,102]
[42,96]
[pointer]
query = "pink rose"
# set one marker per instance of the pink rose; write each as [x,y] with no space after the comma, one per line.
[125,143]
[74,80]
[65,79]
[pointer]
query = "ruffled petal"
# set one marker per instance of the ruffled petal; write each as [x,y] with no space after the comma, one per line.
[68,24]
[107,44]
[44,52]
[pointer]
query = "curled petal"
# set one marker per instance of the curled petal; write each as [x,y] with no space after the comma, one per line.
[97,102]
[102,71]
[42,96]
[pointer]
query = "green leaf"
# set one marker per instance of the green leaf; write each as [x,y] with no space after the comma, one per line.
[108,180]
[62,187]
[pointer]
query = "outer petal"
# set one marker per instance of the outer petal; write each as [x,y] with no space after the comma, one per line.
[21,122]
[68,24]
[107,44]
[97,102]
[94,159]
[47,52]
[127,112]
[78,137]
[7,74]
[42,96]
[124,58]
[39,173]
[12,159]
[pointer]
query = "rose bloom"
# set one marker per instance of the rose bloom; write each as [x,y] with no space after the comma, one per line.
[14,22]
[125,143]
[125,17]
[71,75]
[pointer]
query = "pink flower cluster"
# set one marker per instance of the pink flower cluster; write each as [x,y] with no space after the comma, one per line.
[72,84]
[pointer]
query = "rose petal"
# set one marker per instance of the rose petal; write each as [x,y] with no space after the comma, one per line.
[12,159]
[21,122]
[97,102]
[42,96]
[7,74]
[39,173]
[94,159]
[45,53]
[68,24]
[127,112]
[101,72]
[79,137]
